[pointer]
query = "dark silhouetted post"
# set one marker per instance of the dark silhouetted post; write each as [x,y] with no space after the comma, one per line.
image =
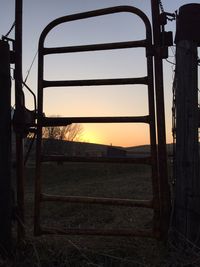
[5,150]
[186,216]
[165,206]
[19,107]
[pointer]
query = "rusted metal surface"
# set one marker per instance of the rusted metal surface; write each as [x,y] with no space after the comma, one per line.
[96,82]
[150,119]
[94,47]
[99,232]
[19,103]
[38,181]
[59,121]
[81,16]
[58,158]
[95,200]
[96,13]
[161,132]
[153,146]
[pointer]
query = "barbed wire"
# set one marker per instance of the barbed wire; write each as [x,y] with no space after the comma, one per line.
[10,30]
[161,6]
[29,70]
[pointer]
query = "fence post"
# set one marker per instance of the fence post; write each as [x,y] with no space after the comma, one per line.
[19,103]
[186,216]
[165,201]
[5,150]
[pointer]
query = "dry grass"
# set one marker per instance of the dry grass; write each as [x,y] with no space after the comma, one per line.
[102,180]
[97,180]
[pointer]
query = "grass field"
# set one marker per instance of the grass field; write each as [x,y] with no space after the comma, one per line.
[100,180]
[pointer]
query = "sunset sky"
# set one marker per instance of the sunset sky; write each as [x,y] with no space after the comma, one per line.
[128,100]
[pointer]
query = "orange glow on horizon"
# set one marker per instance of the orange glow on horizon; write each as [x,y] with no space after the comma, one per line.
[91,137]
[125,135]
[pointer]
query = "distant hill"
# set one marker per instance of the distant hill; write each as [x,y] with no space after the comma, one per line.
[81,149]
[145,149]
[77,149]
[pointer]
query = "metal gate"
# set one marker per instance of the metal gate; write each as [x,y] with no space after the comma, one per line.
[149,119]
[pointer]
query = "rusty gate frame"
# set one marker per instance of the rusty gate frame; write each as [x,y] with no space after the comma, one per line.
[42,121]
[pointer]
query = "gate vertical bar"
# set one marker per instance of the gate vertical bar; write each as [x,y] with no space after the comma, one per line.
[5,151]
[38,145]
[154,174]
[19,101]
[161,132]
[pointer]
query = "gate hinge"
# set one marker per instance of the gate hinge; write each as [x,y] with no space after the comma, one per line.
[23,120]
[166,38]
[162,52]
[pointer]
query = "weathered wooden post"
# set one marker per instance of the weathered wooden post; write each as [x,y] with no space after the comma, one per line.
[5,150]
[186,216]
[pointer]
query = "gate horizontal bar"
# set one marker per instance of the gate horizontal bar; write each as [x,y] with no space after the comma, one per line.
[99,232]
[61,121]
[95,200]
[96,82]
[61,158]
[94,47]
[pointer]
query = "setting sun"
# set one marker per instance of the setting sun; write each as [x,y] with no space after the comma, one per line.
[115,134]
[89,137]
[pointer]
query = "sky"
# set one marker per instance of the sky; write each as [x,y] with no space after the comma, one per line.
[127,100]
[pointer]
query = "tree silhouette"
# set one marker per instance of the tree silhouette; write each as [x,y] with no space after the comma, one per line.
[70,132]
